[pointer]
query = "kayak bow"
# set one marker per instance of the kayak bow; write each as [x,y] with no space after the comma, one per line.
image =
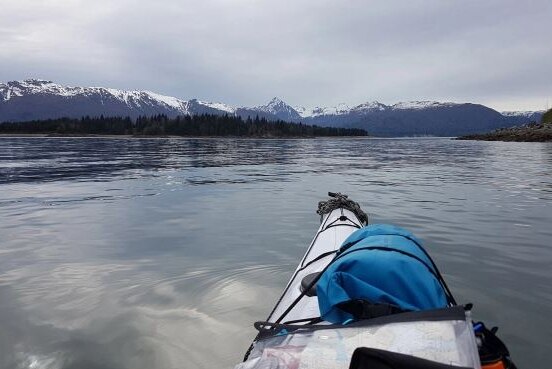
[369,296]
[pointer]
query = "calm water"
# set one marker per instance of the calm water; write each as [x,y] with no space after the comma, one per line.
[121,253]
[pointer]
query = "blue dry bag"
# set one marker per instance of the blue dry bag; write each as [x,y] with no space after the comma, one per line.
[381,264]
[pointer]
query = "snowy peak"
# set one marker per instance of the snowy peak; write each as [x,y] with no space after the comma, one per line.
[136,101]
[342,109]
[424,104]
[523,116]
[339,109]
[218,106]
[522,113]
[277,103]
[280,109]
[195,106]
[32,86]
[369,107]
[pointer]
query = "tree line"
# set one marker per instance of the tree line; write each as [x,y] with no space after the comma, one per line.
[189,125]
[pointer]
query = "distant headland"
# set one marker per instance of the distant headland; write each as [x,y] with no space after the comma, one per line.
[533,132]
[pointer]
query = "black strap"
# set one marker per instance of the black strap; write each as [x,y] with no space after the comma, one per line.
[267,329]
[321,256]
[364,309]
[303,293]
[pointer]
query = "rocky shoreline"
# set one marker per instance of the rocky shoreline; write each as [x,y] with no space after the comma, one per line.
[534,132]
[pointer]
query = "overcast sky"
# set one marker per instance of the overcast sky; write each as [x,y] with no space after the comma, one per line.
[308,52]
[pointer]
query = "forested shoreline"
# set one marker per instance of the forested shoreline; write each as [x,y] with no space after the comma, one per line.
[187,126]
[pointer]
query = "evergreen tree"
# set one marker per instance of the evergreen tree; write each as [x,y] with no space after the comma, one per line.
[190,126]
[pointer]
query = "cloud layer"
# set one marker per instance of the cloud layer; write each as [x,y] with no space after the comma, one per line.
[308,52]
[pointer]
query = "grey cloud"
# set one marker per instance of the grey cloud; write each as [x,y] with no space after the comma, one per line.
[309,52]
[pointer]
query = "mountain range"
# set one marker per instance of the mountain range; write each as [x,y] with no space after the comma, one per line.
[36,99]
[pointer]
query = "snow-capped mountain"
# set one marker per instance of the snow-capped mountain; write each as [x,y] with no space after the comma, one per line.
[40,99]
[35,99]
[279,109]
[523,116]
[339,109]
[368,107]
[420,105]
[522,113]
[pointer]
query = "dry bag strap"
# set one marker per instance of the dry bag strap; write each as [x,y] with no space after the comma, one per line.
[364,309]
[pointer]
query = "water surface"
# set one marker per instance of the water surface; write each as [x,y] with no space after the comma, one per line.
[160,253]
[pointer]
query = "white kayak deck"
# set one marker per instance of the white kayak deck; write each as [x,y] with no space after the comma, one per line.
[335,228]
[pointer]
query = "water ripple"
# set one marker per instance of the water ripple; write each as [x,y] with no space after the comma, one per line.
[161,252]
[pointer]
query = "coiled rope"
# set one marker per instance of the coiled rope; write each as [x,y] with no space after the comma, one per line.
[339,200]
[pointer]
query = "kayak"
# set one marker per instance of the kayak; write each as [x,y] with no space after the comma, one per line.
[369,296]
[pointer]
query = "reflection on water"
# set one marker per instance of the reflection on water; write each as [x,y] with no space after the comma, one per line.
[160,253]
